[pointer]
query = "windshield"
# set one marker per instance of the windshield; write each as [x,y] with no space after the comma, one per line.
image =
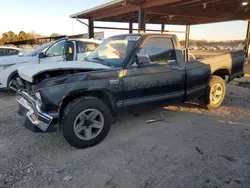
[113,51]
[39,49]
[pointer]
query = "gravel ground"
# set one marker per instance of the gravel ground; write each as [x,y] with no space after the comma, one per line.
[192,147]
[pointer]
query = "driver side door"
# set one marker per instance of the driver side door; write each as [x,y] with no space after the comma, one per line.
[55,53]
[163,78]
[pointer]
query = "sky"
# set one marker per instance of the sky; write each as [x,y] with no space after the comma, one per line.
[52,16]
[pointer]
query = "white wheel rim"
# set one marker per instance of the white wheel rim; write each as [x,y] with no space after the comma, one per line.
[216,93]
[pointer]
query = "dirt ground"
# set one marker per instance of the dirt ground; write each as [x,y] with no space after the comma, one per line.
[192,147]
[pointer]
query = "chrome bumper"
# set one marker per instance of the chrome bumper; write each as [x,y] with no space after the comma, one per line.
[34,113]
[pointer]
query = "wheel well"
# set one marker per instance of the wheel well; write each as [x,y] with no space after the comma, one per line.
[105,96]
[222,73]
[12,75]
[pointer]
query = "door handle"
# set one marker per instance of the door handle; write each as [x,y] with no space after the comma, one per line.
[175,68]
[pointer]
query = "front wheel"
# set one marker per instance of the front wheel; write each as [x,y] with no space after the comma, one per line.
[215,93]
[86,122]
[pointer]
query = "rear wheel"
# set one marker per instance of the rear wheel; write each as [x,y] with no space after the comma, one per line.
[215,93]
[86,122]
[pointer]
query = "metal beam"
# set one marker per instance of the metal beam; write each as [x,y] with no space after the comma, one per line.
[81,22]
[141,20]
[130,27]
[187,42]
[162,27]
[91,29]
[247,42]
[127,29]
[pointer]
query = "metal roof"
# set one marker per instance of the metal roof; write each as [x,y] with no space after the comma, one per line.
[179,12]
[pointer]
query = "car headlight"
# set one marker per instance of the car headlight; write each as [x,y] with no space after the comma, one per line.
[38,96]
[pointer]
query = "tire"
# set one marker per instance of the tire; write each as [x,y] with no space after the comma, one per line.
[211,101]
[79,112]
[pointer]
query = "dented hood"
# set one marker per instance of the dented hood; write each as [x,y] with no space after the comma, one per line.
[28,72]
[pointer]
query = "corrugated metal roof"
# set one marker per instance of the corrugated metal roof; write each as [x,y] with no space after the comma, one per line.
[179,12]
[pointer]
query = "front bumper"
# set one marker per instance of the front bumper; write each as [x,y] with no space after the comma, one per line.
[28,106]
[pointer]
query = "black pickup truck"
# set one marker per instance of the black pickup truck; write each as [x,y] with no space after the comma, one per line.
[81,98]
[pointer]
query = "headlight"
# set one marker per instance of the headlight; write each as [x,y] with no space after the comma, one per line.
[38,96]
[38,99]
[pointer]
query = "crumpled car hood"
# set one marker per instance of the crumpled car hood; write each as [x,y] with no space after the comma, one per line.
[28,72]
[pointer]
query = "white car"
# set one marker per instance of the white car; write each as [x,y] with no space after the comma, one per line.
[6,51]
[58,51]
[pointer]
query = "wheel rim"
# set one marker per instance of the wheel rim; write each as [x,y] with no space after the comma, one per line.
[216,93]
[88,124]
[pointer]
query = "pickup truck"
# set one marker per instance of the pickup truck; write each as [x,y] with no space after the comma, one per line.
[60,50]
[81,98]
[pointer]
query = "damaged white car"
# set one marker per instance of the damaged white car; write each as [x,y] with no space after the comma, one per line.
[57,51]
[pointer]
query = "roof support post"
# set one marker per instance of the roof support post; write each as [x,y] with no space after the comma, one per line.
[130,27]
[142,20]
[162,27]
[247,42]
[187,41]
[91,29]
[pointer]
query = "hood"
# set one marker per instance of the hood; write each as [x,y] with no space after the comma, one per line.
[28,72]
[7,60]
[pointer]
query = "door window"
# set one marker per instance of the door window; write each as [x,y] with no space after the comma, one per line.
[70,51]
[83,47]
[2,52]
[159,49]
[56,49]
[6,52]
[12,52]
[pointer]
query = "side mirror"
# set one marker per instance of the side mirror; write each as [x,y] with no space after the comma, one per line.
[141,59]
[41,55]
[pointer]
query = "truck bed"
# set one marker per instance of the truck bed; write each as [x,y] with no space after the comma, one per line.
[232,61]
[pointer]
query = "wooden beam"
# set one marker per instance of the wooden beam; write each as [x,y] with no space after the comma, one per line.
[134,2]
[152,3]
[185,3]
[199,13]
[91,29]
[116,12]
[141,20]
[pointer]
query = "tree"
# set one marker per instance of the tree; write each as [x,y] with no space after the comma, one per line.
[55,34]
[22,35]
[11,36]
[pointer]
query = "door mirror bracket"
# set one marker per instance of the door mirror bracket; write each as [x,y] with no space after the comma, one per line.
[142,59]
[41,55]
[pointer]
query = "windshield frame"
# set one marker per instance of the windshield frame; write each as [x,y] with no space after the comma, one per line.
[39,49]
[128,56]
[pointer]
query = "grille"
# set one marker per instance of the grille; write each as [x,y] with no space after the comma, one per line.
[24,85]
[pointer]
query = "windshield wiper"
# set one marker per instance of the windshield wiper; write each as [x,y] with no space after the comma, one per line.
[102,61]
